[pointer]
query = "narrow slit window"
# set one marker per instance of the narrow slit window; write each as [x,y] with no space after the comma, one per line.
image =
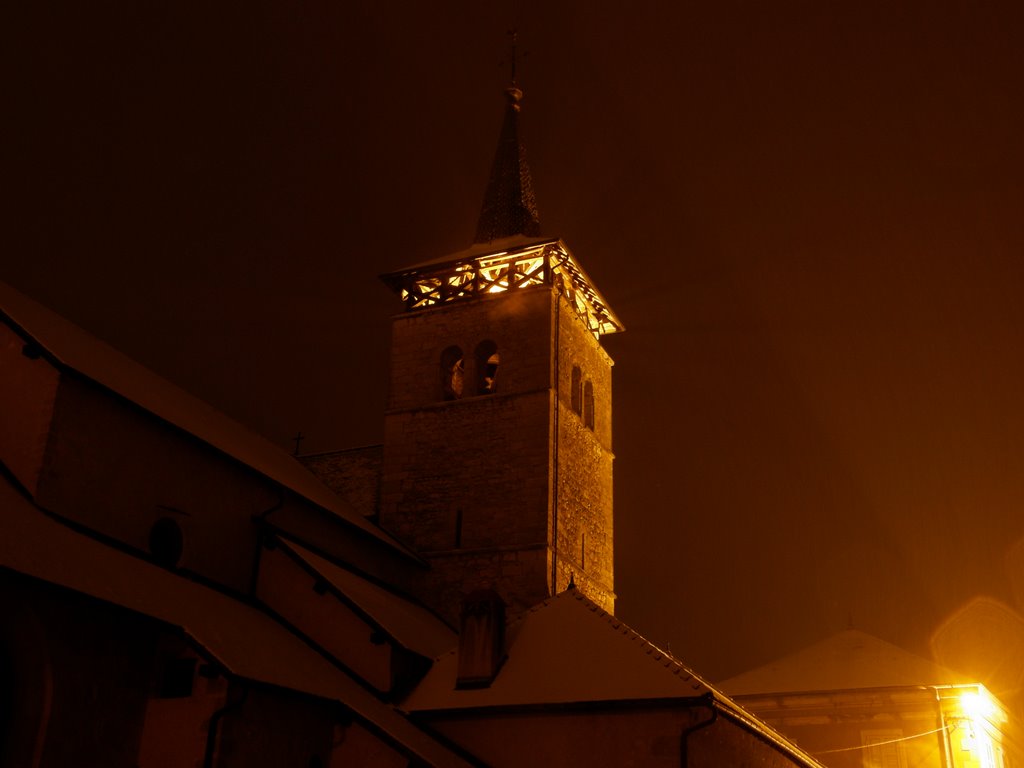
[588,404]
[576,390]
[452,373]
[487,361]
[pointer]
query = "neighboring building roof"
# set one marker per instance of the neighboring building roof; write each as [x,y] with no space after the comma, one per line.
[564,650]
[246,641]
[411,625]
[567,650]
[509,206]
[848,660]
[69,346]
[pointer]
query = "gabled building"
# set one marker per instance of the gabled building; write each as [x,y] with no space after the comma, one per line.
[857,701]
[175,591]
[591,691]
[170,581]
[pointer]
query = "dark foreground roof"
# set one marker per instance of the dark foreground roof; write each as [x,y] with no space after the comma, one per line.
[70,348]
[410,624]
[248,643]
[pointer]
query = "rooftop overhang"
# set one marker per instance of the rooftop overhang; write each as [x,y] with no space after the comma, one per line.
[505,265]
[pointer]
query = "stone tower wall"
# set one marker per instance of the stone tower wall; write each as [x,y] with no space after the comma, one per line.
[471,483]
[583,483]
[466,482]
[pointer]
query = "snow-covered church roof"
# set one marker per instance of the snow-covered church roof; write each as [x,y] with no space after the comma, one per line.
[71,348]
[564,650]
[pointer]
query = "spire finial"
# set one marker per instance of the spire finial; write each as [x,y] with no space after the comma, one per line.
[509,207]
[514,35]
[514,92]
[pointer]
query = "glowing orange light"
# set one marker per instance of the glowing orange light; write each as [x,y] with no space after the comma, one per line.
[977,706]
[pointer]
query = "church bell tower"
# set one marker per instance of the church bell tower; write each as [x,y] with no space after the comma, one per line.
[498,434]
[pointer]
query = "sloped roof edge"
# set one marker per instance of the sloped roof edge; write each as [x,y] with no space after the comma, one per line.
[567,651]
[36,545]
[77,350]
[847,660]
[475,251]
[411,625]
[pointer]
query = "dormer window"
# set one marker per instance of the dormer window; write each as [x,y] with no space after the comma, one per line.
[452,373]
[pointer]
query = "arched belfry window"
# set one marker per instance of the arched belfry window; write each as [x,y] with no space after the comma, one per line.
[486,367]
[576,390]
[588,404]
[451,373]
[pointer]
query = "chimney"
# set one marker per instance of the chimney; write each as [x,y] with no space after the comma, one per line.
[481,639]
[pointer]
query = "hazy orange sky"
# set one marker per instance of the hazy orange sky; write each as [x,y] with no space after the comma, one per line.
[807,214]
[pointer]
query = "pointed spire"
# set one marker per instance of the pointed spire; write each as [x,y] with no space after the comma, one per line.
[509,207]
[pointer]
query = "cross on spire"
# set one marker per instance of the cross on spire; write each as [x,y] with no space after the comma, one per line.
[514,35]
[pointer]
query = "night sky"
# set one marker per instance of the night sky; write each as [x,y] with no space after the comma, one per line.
[808,215]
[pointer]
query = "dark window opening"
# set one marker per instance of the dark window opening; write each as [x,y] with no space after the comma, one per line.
[486,367]
[208,671]
[588,405]
[176,682]
[451,374]
[576,390]
[166,542]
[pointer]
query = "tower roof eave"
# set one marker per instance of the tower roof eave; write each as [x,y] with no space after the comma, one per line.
[475,251]
[583,293]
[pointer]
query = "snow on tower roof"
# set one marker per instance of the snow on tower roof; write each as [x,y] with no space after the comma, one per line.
[71,348]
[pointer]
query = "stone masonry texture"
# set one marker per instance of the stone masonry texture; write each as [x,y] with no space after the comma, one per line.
[509,490]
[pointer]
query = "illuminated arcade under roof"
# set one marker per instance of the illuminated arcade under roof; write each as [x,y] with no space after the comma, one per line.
[508,253]
[510,264]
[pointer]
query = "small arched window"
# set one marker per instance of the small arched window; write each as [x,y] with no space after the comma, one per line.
[588,405]
[486,367]
[576,390]
[451,373]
